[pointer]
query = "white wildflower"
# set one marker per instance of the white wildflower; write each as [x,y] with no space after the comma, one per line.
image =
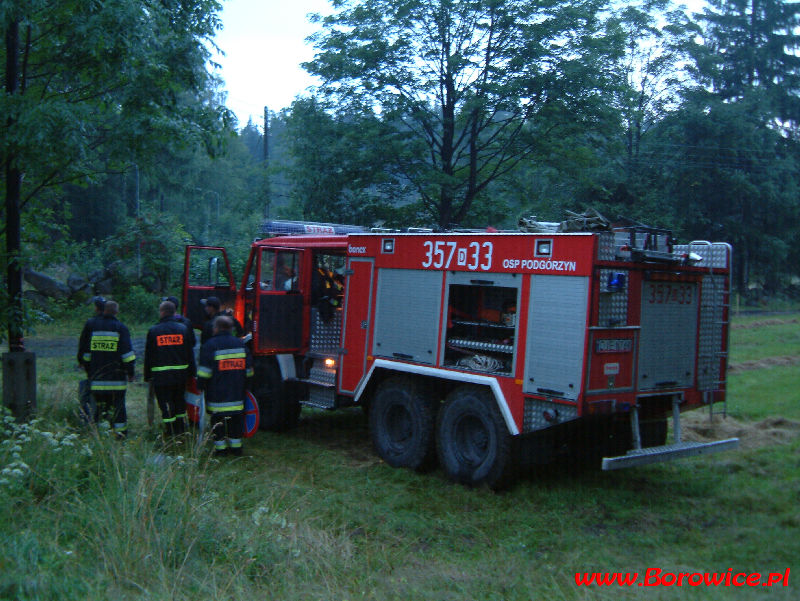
[258,514]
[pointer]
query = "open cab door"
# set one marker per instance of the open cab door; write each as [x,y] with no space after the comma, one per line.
[276,299]
[206,272]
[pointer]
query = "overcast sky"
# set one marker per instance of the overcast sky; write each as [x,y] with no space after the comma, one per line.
[264,44]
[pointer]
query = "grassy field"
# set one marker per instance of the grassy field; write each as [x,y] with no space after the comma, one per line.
[313,514]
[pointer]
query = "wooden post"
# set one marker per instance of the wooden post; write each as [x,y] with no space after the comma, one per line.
[19,367]
[19,383]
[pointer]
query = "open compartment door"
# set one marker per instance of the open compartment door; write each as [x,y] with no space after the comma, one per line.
[206,272]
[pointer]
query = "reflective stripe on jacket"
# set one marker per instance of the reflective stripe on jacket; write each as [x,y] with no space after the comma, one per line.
[105,348]
[168,353]
[222,372]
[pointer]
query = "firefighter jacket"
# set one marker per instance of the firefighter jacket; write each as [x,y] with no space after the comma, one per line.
[223,372]
[105,349]
[208,327]
[168,353]
[86,334]
[189,329]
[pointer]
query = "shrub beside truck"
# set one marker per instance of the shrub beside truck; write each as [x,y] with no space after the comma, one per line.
[467,347]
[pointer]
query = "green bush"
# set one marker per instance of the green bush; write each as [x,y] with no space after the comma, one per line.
[137,305]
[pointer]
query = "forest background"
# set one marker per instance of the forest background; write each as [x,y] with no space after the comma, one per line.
[117,149]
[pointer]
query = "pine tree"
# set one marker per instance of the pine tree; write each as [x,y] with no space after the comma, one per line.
[749,50]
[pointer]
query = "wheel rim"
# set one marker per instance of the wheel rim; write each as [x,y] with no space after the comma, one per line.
[398,427]
[472,439]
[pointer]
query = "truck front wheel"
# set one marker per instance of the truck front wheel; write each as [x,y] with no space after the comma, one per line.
[473,443]
[401,423]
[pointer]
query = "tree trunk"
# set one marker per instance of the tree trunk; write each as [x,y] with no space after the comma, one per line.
[13,197]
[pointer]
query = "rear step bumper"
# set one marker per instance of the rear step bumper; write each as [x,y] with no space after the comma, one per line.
[667,452]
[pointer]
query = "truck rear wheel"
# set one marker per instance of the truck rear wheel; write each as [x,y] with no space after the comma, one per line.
[473,443]
[278,402]
[401,423]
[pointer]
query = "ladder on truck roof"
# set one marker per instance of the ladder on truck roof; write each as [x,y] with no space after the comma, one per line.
[279,227]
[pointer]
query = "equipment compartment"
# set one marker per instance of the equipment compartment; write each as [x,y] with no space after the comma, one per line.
[481,327]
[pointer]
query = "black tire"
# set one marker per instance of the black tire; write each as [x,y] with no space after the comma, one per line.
[473,443]
[401,423]
[278,401]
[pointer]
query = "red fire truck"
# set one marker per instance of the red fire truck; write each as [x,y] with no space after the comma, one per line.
[462,345]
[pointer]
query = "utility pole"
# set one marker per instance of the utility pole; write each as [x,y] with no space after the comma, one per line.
[267,191]
[138,225]
[266,135]
[19,366]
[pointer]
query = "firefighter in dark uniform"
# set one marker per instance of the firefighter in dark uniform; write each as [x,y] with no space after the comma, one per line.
[169,363]
[107,356]
[326,292]
[223,373]
[99,305]
[211,306]
[182,318]
[88,406]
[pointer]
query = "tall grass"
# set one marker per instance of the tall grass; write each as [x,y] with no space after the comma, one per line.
[313,514]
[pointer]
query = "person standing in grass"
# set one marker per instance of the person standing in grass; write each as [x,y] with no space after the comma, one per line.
[106,353]
[223,373]
[88,407]
[169,363]
[182,318]
[99,304]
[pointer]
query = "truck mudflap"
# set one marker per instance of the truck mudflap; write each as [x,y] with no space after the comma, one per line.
[668,452]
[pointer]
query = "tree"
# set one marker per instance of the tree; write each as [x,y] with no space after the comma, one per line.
[468,88]
[749,49]
[738,142]
[93,87]
[338,165]
[653,70]
[730,177]
[612,169]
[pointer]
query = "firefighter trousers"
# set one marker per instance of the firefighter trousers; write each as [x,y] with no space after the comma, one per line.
[227,431]
[111,406]
[172,402]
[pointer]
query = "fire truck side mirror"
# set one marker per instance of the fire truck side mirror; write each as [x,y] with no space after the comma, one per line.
[213,271]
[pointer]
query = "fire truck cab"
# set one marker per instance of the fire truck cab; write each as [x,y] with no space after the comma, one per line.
[461,344]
